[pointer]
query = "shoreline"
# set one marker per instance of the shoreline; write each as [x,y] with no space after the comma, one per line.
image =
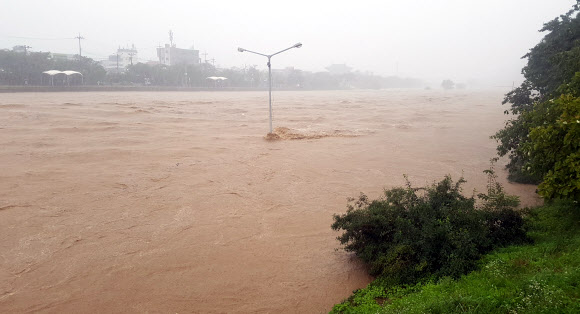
[109,88]
[7,89]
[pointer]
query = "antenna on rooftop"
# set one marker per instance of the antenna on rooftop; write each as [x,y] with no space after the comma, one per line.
[171,37]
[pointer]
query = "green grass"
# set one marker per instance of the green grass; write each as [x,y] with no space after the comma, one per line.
[543,277]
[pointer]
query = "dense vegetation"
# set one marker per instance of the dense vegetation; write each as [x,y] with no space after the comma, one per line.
[542,140]
[251,77]
[25,68]
[414,234]
[18,68]
[553,148]
[421,243]
[538,278]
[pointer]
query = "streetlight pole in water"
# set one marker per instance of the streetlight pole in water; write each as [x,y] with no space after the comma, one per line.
[298,45]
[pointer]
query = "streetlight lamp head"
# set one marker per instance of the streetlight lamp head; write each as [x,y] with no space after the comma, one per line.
[241,49]
[298,45]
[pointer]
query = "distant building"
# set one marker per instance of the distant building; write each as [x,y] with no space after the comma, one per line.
[63,56]
[171,55]
[119,61]
[338,69]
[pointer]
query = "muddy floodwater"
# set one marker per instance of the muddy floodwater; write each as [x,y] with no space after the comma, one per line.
[174,202]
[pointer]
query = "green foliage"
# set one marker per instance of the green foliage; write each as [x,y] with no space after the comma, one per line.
[551,70]
[174,75]
[418,233]
[554,60]
[539,278]
[496,200]
[92,70]
[17,68]
[554,146]
[367,300]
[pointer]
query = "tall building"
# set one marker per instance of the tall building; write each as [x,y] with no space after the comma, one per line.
[171,55]
[121,60]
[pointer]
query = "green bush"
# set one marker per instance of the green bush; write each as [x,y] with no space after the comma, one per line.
[538,278]
[417,233]
[554,147]
[552,70]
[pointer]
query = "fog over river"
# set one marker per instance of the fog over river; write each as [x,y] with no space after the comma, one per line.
[175,202]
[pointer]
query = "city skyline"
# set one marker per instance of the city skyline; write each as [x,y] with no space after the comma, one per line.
[428,40]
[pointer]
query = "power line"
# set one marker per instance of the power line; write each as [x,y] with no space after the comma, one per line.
[38,38]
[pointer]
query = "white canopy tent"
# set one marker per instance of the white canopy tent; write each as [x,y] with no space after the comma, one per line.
[217,78]
[68,73]
[72,73]
[52,72]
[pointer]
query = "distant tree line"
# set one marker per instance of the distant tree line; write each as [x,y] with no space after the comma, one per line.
[18,68]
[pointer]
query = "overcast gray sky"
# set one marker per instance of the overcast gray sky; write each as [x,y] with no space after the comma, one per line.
[435,39]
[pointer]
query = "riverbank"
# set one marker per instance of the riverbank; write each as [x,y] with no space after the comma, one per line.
[123,88]
[538,278]
[116,88]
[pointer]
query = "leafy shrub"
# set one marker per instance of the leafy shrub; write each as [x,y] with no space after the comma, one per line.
[554,147]
[538,278]
[504,225]
[552,69]
[417,233]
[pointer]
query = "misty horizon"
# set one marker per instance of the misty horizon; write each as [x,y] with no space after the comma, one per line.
[481,44]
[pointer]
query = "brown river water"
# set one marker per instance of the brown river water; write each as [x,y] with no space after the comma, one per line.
[174,202]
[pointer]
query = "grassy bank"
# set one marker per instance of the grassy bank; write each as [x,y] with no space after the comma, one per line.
[543,277]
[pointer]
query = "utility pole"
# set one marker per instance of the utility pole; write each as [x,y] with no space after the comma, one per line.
[26,47]
[213,62]
[204,54]
[79,37]
[131,54]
